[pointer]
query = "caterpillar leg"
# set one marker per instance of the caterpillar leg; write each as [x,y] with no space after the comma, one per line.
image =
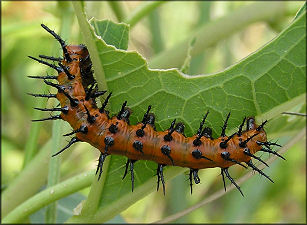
[160,177]
[101,159]
[193,174]
[130,163]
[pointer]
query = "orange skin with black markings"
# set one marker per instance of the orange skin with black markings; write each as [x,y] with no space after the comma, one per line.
[181,146]
[77,91]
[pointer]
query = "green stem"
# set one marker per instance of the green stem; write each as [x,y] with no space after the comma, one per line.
[66,18]
[11,140]
[117,8]
[198,63]
[54,169]
[88,38]
[35,172]
[104,214]
[92,202]
[155,28]
[204,12]
[49,195]
[31,144]
[141,11]
[213,32]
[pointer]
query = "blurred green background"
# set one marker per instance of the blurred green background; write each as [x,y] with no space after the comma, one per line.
[168,24]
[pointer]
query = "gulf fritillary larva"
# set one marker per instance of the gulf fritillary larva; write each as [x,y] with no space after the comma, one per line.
[77,90]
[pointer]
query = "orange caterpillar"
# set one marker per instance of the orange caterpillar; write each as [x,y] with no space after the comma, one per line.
[77,91]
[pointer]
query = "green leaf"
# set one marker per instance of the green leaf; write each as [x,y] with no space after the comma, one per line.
[112,33]
[269,81]
[271,76]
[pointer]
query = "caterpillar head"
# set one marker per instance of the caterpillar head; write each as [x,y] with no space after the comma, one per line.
[77,51]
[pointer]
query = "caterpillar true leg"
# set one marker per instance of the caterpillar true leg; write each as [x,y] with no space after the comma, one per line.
[101,159]
[130,163]
[160,177]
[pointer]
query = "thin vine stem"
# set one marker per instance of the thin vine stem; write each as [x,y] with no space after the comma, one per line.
[35,172]
[140,12]
[57,126]
[49,195]
[92,202]
[118,10]
[294,113]
[30,148]
[88,38]
[157,42]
